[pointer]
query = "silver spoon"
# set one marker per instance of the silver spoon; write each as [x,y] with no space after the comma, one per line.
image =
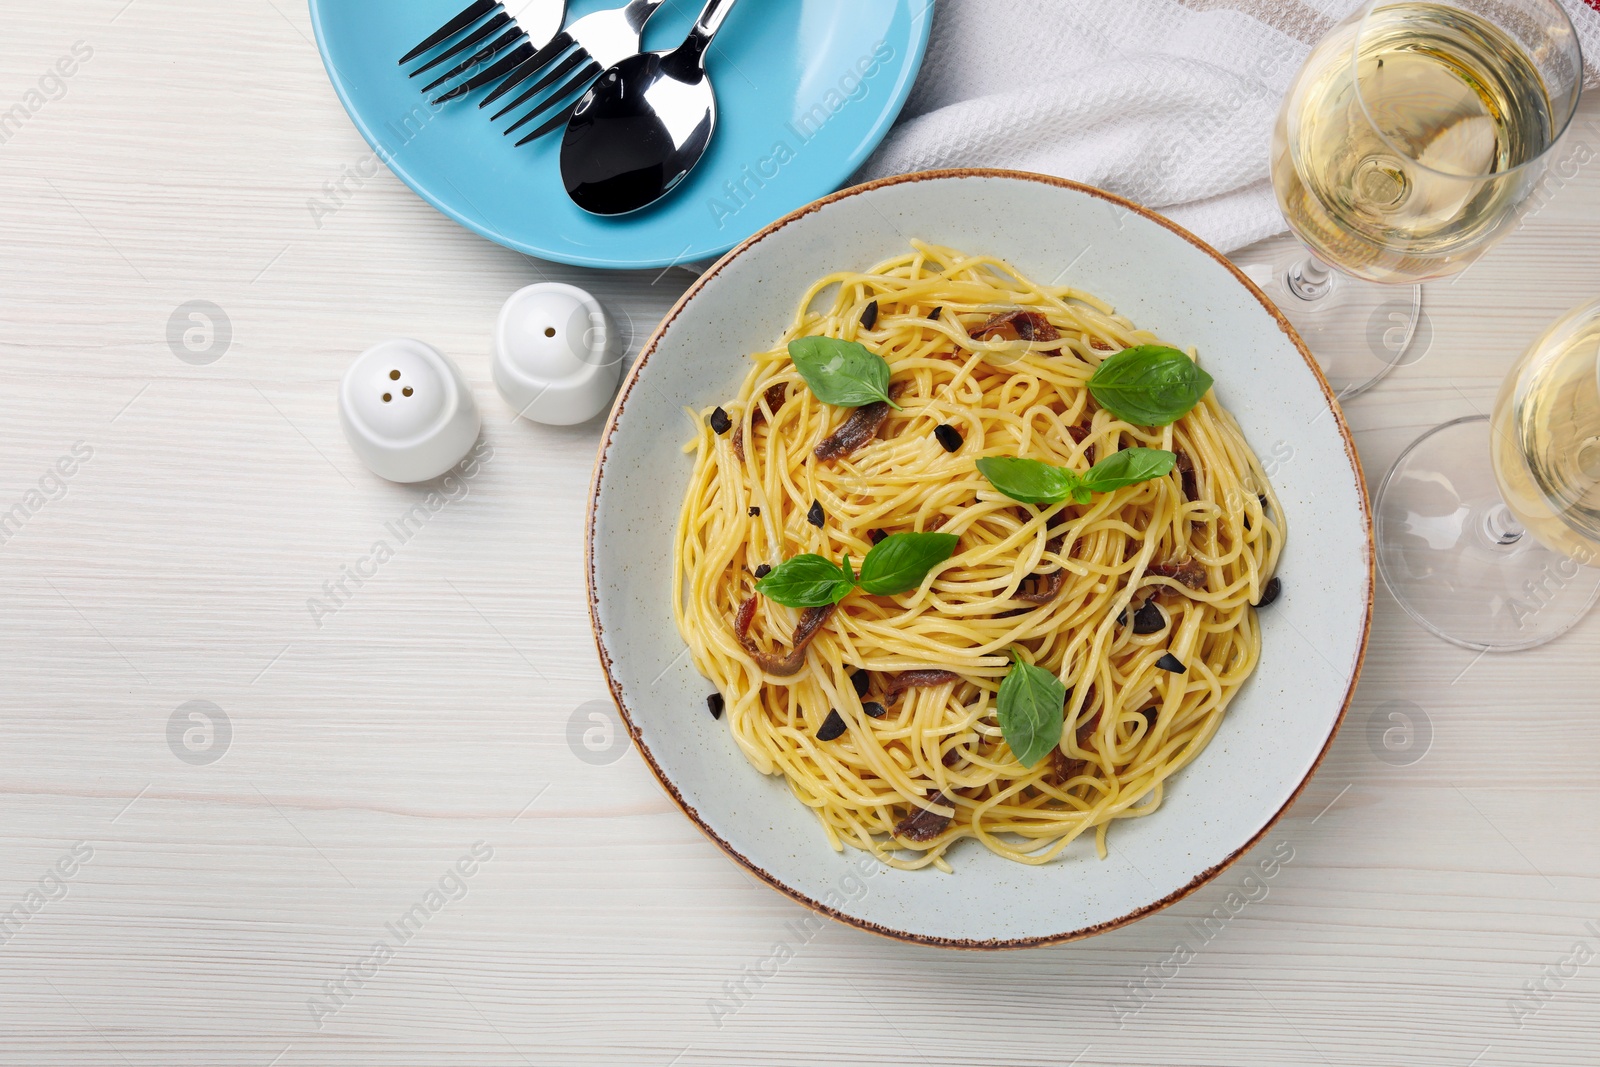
[643,125]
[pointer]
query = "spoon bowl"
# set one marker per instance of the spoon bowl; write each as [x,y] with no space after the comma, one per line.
[637,133]
[643,125]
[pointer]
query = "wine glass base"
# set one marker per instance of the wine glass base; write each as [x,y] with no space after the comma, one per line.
[1358,330]
[1455,559]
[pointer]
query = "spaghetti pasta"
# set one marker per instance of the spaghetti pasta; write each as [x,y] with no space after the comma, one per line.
[1111,596]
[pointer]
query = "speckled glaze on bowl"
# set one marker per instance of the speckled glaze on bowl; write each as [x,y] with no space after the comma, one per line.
[1164,279]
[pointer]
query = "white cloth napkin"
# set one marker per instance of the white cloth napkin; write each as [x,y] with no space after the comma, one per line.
[1168,103]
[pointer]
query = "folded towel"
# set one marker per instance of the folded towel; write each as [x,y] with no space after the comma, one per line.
[1168,103]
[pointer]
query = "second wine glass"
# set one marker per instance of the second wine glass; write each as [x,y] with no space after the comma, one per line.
[1489,529]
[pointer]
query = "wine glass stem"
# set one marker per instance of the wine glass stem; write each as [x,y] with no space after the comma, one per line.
[1310,279]
[1501,527]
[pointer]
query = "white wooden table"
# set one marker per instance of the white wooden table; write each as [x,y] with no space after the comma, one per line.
[224,908]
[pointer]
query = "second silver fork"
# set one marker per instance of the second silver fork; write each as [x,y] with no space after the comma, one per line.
[579,54]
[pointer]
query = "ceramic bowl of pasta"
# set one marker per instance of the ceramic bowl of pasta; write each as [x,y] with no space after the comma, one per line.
[979,559]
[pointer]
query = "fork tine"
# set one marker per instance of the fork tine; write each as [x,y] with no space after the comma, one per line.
[558,44]
[475,11]
[522,98]
[466,42]
[494,47]
[560,120]
[559,71]
[496,70]
[580,81]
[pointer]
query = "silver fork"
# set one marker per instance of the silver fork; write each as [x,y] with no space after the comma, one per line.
[597,41]
[486,27]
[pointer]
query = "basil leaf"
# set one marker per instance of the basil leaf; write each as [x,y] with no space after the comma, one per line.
[1149,385]
[1032,711]
[808,581]
[845,374]
[1028,480]
[1128,467]
[899,562]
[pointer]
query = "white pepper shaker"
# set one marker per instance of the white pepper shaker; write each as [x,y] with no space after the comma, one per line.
[555,356]
[407,411]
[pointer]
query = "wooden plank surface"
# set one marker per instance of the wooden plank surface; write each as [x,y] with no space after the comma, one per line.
[227,913]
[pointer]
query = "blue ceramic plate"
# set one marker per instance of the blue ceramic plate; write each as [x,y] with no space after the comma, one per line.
[805,90]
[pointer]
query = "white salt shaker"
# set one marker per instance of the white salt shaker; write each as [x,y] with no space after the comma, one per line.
[555,356]
[407,411]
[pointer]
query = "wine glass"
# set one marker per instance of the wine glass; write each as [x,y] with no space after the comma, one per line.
[1409,143]
[1489,528]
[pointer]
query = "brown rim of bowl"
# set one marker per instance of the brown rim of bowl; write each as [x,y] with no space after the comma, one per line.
[672,791]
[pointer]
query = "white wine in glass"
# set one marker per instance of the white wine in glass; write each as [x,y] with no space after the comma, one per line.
[1546,441]
[1489,529]
[1405,169]
[1406,146]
